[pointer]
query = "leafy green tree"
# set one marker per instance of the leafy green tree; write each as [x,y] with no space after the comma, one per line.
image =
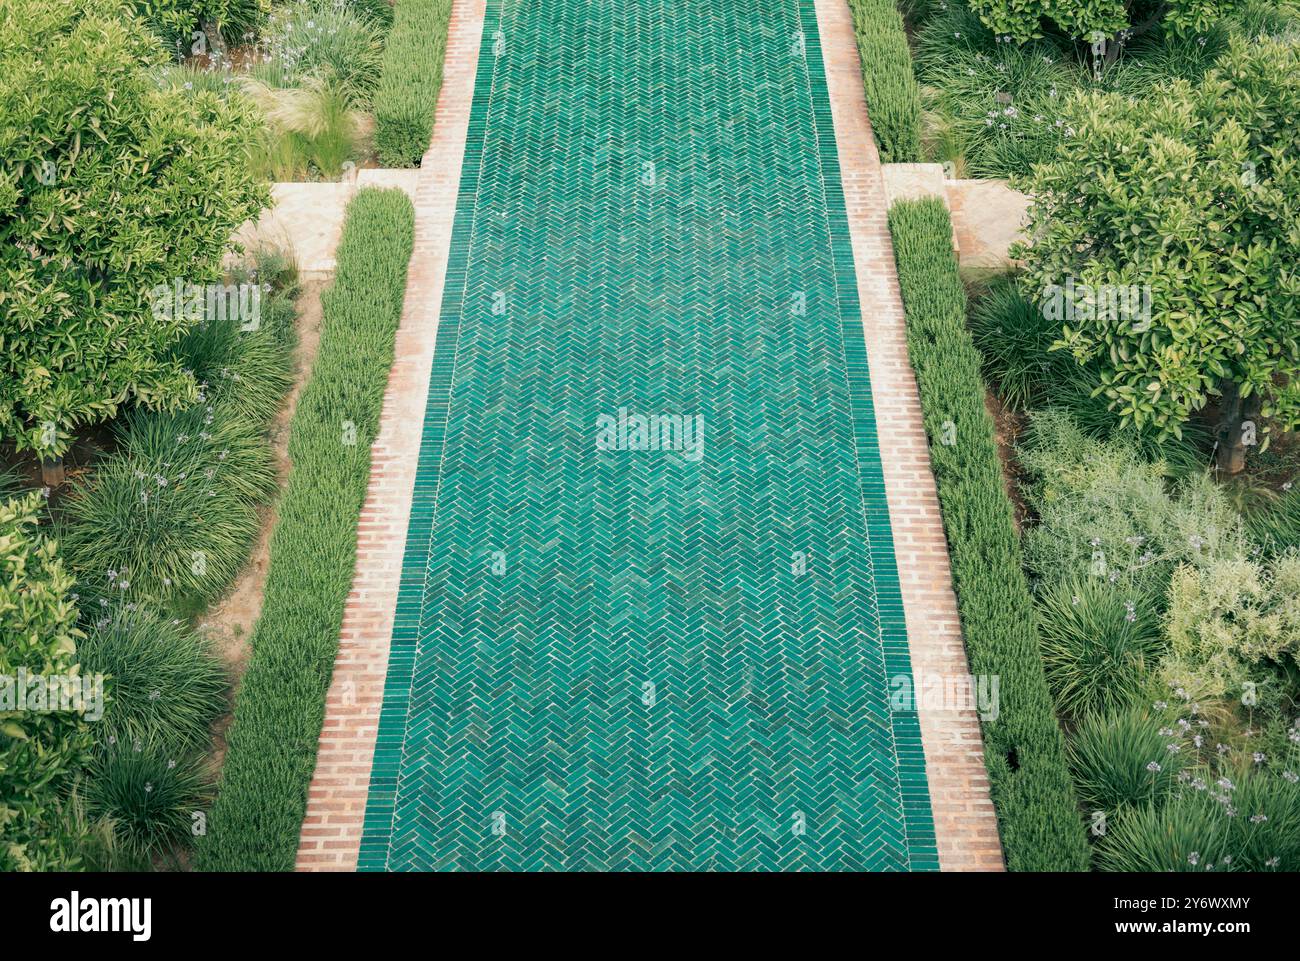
[111,185]
[40,748]
[1117,20]
[1174,222]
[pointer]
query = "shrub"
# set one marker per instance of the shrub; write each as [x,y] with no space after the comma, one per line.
[1023,19]
[280,707]
[170,516]
[39,751]
[149,795]
[1103,510]
[112,185]
[174,21]
[1248,822]
[411,79]
[1185,197]
[1024,748]
[165,684]
[1122,760]
[893,99]
[1234,614]
[1099,642]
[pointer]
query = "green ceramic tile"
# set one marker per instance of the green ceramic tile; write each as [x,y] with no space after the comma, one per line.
[613,657]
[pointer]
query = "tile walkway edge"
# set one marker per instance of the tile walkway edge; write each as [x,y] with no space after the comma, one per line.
[336,800]
[965,824]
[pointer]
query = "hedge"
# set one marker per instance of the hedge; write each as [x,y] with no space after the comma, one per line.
[411,79]
[1024,748]
[280,708]
[893,97]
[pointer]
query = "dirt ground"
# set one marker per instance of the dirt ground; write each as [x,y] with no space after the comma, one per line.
[229,622]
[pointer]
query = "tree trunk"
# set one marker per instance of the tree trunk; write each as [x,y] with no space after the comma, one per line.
[1236,429]
[52,474]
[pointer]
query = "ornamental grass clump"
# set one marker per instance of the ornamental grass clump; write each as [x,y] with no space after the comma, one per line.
[164,682]
[1233,820]
[1099,643]
[152,796]
[170,516]
[1125,758]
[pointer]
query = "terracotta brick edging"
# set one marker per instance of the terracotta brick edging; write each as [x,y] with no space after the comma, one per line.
[964,820]
[336,800]
[966,829]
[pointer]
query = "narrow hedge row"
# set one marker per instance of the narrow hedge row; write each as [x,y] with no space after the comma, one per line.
[1024,749]
[281,704]
[411,79]
[893,97]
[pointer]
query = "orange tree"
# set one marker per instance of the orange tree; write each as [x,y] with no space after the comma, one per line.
[111,184]
[1192,196]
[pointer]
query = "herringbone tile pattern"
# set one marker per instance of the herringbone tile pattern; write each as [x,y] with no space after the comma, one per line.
[640,659]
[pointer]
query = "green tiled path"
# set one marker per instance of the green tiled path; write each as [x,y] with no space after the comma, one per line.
[631,658]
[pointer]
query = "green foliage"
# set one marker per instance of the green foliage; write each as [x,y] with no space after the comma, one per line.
[149,795]
[1024,748]
[1276,526]
[313,129]
[39,750]
[1004,102]
[174,21]
[1023,20]
[1123,759]
[165,684]
[893,99]
[412,77]
[280,707]
[245,374]
[1267,18]
[111,186]
[1190,194]
[1250,822]
[325,39]
[1234,614]
[1103,510]
[170,516]
[1099,642]
[377,11]
[1014,339]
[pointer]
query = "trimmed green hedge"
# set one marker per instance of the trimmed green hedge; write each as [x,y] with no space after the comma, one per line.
[281,704]
[1024,748]
[412,77]
[893,97]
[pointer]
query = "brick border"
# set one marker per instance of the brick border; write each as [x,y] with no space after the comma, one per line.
[336,800]
[966,830]
[964,819]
